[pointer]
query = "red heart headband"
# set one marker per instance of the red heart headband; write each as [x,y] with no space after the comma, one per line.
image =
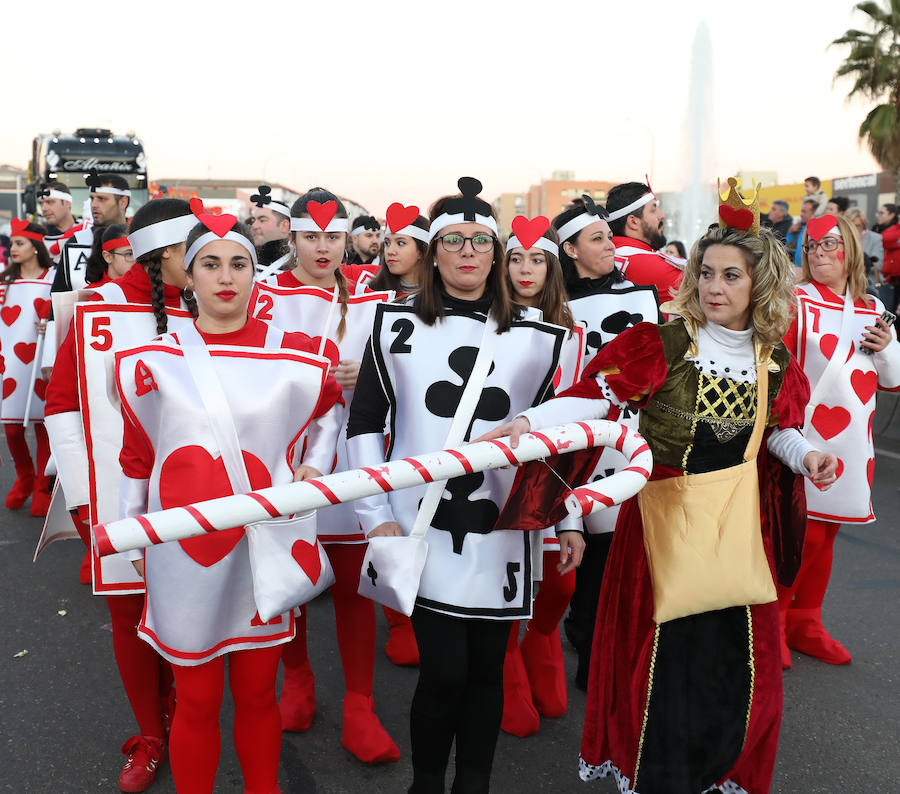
[322,213]
[817,228]
[219,225]
[399,217]
[19,228]
[528,232]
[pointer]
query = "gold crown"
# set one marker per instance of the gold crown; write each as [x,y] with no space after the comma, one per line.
[735,211]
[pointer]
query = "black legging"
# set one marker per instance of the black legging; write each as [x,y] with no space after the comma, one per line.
[459,695]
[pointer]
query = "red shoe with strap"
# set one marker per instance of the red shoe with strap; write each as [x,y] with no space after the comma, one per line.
[145,754]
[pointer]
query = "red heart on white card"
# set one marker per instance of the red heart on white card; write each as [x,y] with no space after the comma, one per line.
[829,422]
[25,351]
[9,386]
[529,231]
[9,314]
[322,213]
[42,307]
[865,384]
[40,388]
[307,557]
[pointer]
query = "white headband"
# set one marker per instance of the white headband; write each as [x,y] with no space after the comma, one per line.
[542,242]
[57,194]
[410,231]
[835,231]
[211,237]
[361,229]
[113,190]
[635,205]
[309,225]
[161,234]
[575,225]
[445,220]
[277,206]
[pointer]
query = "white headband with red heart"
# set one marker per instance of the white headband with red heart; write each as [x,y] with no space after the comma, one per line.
[542,242]
[309,225]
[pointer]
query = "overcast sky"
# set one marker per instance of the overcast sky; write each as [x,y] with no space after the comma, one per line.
[393,101]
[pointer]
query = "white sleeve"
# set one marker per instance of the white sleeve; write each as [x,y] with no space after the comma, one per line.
[322,439]
[790,447]
[563,410]
[69,450]
[887,364]
[133,502]
[367,449]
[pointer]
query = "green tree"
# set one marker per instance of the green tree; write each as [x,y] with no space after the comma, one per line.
[873,63]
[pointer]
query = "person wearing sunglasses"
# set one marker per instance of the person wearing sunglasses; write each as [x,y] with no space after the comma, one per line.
[847,352]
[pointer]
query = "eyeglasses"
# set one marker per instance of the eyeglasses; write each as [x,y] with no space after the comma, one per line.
[828,244]
[128,256]
[481,243]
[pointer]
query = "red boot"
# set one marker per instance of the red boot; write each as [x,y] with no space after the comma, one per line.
[297,703]
[520,717]
[362,732]
[805,633]
[22,488]
[543,657]
[40,499]
[145,754]
[401,646]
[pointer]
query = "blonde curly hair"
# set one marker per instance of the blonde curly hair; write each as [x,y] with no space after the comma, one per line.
[772,296]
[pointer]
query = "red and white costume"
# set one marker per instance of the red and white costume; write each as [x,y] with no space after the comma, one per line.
[838,420]
[640,264]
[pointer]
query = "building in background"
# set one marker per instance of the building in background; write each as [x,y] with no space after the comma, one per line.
[506,207]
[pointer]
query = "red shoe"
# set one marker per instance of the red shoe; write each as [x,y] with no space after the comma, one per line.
[520,717]
[145,754]
[297,704]
[543,657]
[40,499]
[362,732]
[805,633]
[21,490]
[401,647]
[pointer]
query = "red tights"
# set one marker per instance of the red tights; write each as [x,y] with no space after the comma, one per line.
[195,739]
[18,448]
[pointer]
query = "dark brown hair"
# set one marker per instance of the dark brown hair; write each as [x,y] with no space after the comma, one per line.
[14,269]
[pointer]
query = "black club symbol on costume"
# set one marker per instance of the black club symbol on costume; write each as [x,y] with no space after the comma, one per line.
[372,573]
[459,515]
[92,180]
[591,208]
[619,321]
[262,198]
[443,397]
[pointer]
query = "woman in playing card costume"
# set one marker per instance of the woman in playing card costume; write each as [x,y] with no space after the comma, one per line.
[534,675]
[402,252]
[440,369]
[606,304]
[181,397]
[848,352]
[25,302]
[157,235]
[313,298]
[684,692]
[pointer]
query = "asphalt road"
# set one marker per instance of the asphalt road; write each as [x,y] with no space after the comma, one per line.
[63,714]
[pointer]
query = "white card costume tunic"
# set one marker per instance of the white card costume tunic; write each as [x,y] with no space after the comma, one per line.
[606,313]
[306,309]
[200,591]
[470,570]
[26,299]
[840,419]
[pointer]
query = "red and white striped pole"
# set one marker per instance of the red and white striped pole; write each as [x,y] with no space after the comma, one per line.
[180,523]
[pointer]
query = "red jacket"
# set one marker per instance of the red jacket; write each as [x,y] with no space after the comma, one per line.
[640,264]
[890,239]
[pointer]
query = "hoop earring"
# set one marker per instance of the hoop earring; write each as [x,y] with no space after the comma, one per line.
[187,294]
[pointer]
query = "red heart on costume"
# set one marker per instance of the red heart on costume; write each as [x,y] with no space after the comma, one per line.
[827,345]
[40,388]
[9,386]
[9,314]
[399,217]
[190,474]
[42,307]
[737,219]
[307,557]
[865,384]
[828,422]
[25,351]
[870,471]
[322,213]
[528,232]
[817,228]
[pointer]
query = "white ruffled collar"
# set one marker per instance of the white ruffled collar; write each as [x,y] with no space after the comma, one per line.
[723,353]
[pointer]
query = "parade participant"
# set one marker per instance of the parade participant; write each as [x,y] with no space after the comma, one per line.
[607,304]
[313,298]
[55,201]
[271,229]
[888,217]
[157,235]
[685,687]
[117,255]
[365,234]
[636,220]
[534,675]
[848,352]
[200,600]
[25,296]
[402,252]
[475,581]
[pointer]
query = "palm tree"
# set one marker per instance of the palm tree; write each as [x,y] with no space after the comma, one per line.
[873,63]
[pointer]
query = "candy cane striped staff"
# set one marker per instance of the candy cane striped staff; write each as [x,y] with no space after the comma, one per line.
[180,523]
